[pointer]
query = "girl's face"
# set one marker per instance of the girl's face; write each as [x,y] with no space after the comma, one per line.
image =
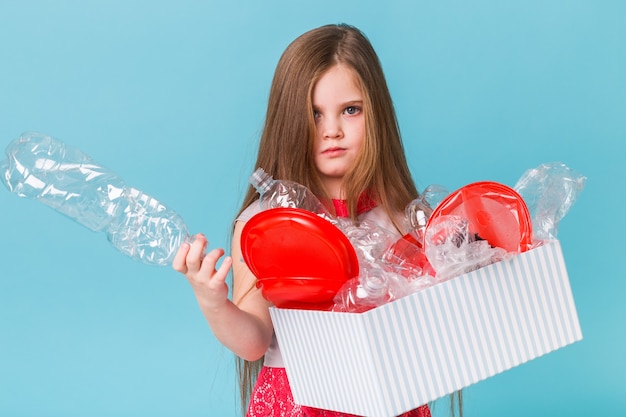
[340,125]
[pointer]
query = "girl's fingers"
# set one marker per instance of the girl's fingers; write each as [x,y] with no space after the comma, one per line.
[194,256]
[222,271]
[180,259]
[209,263]
[191,261]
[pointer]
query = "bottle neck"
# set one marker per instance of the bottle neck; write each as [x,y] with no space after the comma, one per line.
[375,284]
[261,181]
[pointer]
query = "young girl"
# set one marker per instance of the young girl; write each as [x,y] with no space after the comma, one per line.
[330,126]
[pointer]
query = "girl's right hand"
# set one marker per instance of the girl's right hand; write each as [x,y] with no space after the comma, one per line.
[207,280]
[243,326]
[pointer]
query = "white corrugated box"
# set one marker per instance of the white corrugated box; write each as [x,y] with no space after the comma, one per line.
[414,350]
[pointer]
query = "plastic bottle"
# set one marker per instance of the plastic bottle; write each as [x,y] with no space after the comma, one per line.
[419,210]
[43,168]
[282,193]
[549,191]
[407,255]
[373,288]
[418,219]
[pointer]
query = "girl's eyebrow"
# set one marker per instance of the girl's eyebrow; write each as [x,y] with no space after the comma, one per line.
[344,104]
[352,103]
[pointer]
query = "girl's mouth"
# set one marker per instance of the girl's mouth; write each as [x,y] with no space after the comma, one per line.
[336,151]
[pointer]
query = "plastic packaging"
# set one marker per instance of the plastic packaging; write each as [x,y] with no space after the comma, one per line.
[419,210]
[406,256]
[368,238]
[374,287]
[275,193]
[549,190]
[494,211]
[390,267]
[449,234]
[43,168]
[452,249]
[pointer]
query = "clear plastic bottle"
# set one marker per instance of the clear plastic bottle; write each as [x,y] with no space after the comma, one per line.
[360,295]
[549,191]
[407,255]
[418,218]
[373,288]
[282,193]
[43,168]
[419,210]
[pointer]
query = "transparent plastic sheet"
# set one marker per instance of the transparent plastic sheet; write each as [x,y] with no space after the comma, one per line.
[43,168]
[549,191]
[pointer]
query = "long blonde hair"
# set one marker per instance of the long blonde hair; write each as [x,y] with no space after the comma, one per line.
[285,148]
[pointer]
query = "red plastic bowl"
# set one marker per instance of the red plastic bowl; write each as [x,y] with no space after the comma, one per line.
[299,258]
[495,212]
[298,292]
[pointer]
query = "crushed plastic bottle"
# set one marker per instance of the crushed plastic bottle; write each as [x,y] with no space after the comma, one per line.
[373,288]
[549,191]
[43,168]
[419,210]
[453,250]
[407,254]
[282,193]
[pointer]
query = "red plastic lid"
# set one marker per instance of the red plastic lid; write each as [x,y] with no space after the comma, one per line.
[292,242]
[495,212]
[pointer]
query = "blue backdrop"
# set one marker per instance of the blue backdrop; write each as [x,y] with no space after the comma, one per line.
[171,95]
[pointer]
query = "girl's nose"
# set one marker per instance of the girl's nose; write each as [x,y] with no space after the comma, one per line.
[332,129]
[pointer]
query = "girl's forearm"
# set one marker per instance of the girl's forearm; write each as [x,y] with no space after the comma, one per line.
[245,334]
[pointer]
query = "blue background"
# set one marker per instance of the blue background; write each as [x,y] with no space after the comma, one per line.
[171,95]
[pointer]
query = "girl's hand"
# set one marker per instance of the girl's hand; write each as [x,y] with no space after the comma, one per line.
[207,280]
[244,327]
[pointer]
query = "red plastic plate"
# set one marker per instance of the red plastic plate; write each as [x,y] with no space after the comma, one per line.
[495,212]
[290,243]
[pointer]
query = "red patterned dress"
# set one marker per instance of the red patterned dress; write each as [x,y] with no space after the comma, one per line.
[272,397]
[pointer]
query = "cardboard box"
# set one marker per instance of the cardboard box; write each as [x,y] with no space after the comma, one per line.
[414,350]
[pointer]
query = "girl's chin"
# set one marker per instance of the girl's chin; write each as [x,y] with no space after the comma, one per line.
[333,175]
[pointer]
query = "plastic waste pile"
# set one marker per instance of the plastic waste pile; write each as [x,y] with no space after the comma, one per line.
[449,233]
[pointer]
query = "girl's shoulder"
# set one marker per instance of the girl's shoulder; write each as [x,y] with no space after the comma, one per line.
[249,211]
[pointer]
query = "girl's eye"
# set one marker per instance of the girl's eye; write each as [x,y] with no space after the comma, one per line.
[352,110]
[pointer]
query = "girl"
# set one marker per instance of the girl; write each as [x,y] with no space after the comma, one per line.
[330,126]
